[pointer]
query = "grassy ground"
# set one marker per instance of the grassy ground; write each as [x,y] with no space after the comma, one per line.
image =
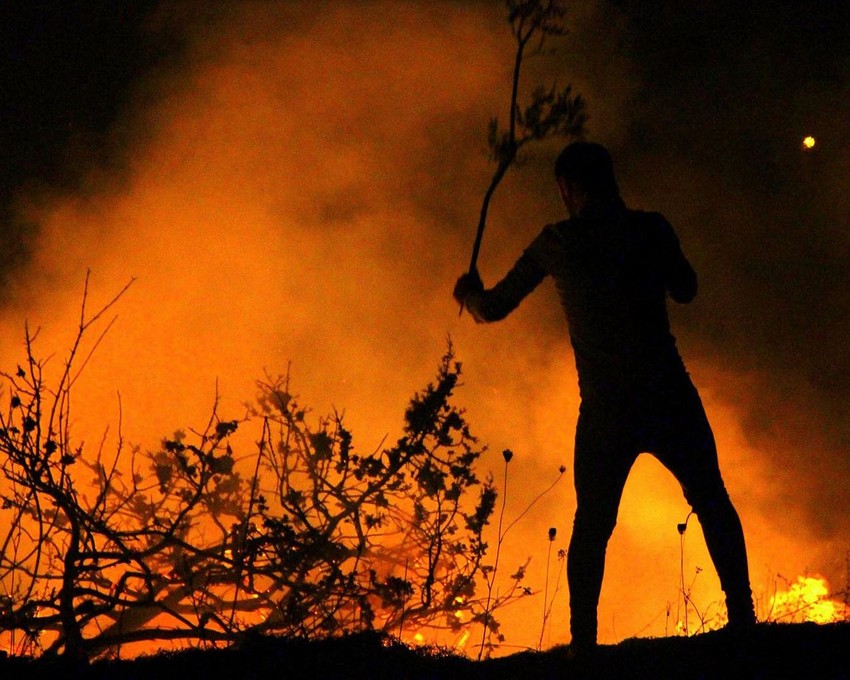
[820,652]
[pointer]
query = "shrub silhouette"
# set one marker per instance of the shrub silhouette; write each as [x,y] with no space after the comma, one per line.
[204,541]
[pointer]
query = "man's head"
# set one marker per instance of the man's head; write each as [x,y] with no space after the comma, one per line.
[585,175]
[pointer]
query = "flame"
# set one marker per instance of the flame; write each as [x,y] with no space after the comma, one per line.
[809,142]
[807,599]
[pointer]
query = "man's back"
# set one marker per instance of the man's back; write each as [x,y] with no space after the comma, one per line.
[613,272]
[613,269]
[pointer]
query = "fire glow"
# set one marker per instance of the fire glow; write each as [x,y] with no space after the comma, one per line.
[807,599]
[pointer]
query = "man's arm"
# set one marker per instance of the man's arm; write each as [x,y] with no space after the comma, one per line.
[497,302]
[681,279]
[682,283]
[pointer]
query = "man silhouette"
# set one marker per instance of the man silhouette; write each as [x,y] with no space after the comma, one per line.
[613,269]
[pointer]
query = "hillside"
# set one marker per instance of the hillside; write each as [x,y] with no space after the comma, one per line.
[770,651]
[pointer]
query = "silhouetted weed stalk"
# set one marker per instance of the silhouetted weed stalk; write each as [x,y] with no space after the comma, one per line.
[685,603]
[549,603]
[515,589]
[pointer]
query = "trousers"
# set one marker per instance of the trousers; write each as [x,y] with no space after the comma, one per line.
[660,414]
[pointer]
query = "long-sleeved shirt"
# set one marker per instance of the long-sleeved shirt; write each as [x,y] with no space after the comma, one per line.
[613,269]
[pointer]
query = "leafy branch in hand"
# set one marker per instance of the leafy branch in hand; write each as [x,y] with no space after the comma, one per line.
[551,111]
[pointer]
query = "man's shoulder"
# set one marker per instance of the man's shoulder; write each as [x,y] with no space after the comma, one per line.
[549,242]
[563,233]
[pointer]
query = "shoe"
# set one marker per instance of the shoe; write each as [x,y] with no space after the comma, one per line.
[742,616]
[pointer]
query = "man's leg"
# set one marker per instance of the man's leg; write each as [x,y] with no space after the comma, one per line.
[688,450]
[601,469]
[724,537]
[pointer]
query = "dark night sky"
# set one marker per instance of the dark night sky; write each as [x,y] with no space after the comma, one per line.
[719,96]
[65,69]
[735,87]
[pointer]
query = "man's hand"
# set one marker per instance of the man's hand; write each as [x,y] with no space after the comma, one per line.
[466,285]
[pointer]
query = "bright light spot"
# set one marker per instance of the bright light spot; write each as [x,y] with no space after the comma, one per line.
[808,142]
